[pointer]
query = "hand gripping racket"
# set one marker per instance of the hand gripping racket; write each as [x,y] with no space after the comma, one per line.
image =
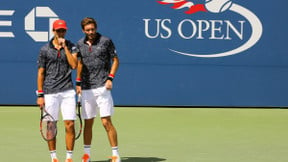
[48,125]
[78,121]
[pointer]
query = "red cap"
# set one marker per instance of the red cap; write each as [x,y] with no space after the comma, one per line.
[59,24]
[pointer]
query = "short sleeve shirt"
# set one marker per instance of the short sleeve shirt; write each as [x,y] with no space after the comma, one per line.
[57,69]
[96,61]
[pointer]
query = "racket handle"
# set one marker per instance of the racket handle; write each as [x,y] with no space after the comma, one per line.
[79,98]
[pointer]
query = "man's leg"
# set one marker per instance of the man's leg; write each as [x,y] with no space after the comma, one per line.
[89,112]
[52,149]
[52,107]
[87,137]
[111,131]
[70,137]
[112,136]
[88,131]
[68,107]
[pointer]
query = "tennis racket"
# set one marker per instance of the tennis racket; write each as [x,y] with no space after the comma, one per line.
[48,125]
[78,121]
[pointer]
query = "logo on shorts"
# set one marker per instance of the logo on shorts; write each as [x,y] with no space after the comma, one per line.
[245,27]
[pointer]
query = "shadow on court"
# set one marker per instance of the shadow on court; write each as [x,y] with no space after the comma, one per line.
[137,159]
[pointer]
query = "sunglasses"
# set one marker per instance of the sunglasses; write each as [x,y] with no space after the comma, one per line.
[61,30]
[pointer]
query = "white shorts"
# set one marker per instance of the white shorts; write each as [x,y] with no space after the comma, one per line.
[64,101]
[96,101]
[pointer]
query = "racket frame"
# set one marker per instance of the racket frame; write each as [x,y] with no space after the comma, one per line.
[43,111]
[78,114]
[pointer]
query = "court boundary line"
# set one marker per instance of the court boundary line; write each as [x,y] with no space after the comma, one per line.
[174,106]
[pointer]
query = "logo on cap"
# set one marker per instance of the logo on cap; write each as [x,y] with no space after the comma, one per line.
[59,24]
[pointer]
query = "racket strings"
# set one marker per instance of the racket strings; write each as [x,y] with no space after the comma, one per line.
[48,127]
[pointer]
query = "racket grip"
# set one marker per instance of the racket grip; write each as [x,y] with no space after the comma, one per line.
[79,98]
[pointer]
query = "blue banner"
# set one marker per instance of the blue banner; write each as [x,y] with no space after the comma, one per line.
[172,52]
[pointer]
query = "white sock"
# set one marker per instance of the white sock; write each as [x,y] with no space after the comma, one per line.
[115,151]
[69,154]
[53,154]
[87,149]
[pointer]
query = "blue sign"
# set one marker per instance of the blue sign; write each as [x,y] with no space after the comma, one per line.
[172,52]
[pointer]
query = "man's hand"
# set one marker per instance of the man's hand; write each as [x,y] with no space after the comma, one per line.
[40,101]
[108,84]
[78,90]
[61,42]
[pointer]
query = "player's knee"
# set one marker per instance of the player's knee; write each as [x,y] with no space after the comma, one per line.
[107,124]
[69,125]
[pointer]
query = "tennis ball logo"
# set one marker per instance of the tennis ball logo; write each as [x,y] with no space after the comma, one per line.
[217,6]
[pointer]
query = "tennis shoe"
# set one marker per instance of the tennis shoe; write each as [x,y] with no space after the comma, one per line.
[85,158]
[55,160]
[115,159]
[68,160]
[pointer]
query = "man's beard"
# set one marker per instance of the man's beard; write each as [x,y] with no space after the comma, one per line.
[91,36]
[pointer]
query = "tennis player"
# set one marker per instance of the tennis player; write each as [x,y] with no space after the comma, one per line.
[55,88]
[96,70]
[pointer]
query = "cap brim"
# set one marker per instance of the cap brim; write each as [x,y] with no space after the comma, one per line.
[61,27]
